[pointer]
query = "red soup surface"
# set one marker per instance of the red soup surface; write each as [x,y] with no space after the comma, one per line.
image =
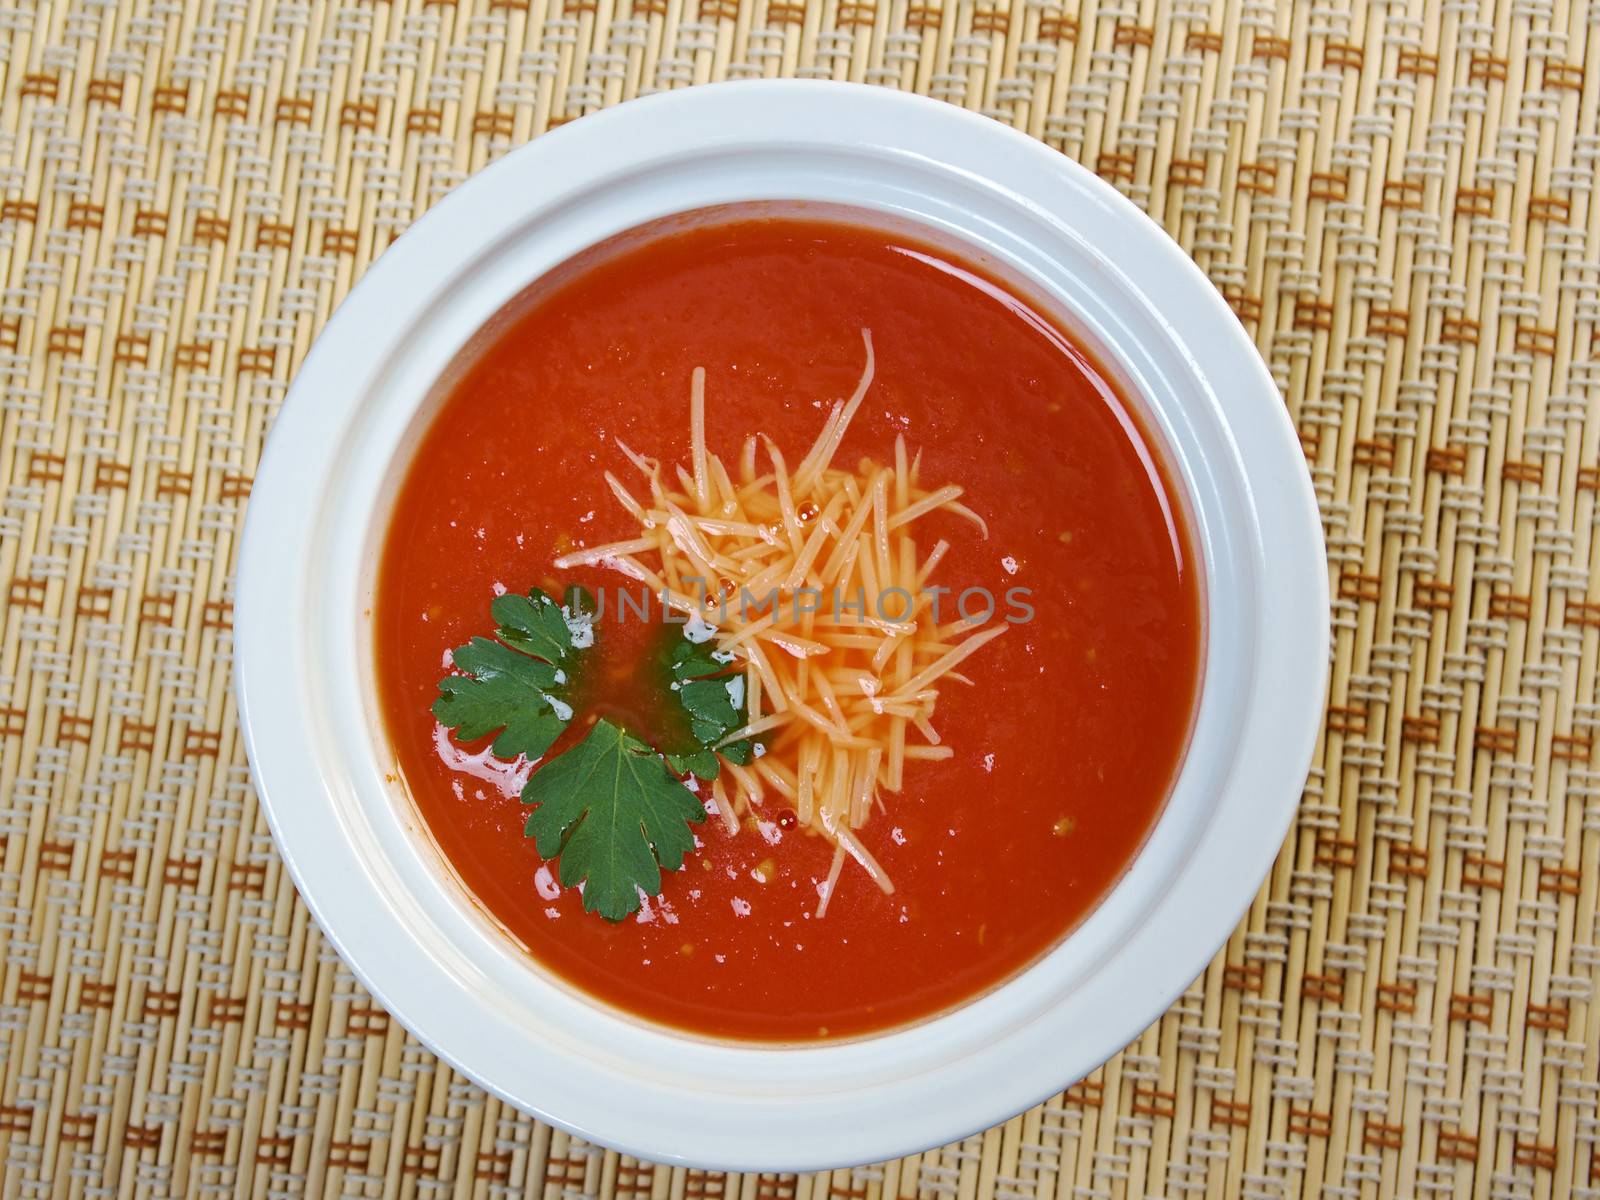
[1066,741]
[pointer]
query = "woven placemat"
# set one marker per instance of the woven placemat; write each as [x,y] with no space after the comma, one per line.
[1397,199]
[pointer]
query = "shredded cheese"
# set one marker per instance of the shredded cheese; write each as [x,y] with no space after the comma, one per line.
[841,691]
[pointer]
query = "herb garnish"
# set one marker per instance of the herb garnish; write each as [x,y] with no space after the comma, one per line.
[518,685]
[608,808]
[612,812]
[714,702]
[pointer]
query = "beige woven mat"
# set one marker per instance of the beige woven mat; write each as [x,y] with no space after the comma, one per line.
[1398,199]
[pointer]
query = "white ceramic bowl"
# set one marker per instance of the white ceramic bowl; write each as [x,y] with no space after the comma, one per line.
[353,841]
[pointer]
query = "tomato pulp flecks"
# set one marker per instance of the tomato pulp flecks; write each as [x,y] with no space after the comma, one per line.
[1067,740]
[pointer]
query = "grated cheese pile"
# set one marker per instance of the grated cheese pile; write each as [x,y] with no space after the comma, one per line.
[840,698]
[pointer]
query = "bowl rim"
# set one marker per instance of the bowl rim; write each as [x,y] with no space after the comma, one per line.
[600,1099]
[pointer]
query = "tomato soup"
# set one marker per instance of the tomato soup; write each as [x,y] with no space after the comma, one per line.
[1063,737]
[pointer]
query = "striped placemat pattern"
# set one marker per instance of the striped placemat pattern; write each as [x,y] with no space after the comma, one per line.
[1397,198]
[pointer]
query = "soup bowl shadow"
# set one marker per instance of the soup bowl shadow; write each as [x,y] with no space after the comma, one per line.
[358,850]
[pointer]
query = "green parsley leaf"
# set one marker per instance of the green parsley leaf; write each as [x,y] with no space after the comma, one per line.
[702,764]
[613,814]
[516,687]
[707,689]
[609,810]
[740,752]
[710,703]
[695,660]
[533,624]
